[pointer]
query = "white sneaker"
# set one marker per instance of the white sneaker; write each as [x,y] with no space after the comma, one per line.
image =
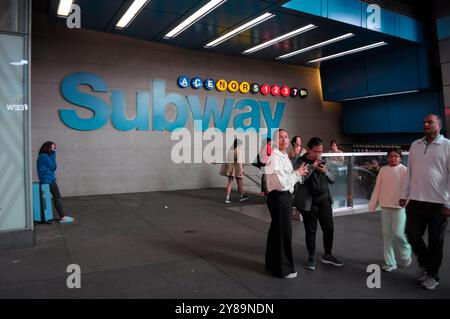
[388,268]
[291,275]
[227,201]
[430,283]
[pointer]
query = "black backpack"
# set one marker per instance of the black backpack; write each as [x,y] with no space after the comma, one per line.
[317,184]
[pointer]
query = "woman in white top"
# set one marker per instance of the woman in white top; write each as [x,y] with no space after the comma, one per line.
[393,218]
[281,179]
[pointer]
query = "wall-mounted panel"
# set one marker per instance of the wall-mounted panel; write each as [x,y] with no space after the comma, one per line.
[345,80]
[393,72]
[366,116]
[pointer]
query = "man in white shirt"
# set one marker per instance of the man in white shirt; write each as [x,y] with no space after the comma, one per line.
[281,179]
[426,187]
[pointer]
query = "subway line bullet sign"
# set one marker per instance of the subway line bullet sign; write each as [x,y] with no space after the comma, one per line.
[233,86]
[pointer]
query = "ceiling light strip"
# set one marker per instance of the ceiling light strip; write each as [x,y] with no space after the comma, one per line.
[280,38]
[131,13]
[380,95]
[266,16]
[64,7]
[318,45]
[337,55]
[207,8]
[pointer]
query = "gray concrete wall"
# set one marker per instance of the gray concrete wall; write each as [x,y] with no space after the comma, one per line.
[110,161]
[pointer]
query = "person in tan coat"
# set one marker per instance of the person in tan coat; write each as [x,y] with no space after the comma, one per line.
[234,169]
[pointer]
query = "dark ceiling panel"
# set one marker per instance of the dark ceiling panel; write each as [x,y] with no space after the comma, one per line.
[235,45]
[160,16]
[296,43]
[198,35]
[176,7]
[97,14]
[276,26]
[233,12]
[148,24]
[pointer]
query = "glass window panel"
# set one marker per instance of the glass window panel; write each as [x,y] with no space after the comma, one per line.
[13,119]
[13,16]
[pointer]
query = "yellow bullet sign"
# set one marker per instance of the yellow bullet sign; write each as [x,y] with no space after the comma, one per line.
[233,86]
[221,85]
[244,87]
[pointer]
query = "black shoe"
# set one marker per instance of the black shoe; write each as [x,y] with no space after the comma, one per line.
[243,198]
[311,263]
[331,260]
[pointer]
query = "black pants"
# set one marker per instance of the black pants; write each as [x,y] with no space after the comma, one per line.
[419,216]
[57,199]
[264,183]
[320,211]
[279,257]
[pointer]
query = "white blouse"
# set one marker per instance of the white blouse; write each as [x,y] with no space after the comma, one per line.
[280,173]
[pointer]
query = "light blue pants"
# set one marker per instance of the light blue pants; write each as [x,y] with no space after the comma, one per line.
[393,221]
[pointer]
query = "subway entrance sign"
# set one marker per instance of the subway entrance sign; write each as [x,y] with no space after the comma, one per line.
[255,110]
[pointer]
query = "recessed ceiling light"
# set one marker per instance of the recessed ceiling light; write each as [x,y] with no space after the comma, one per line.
[242,28]
[318,45]
[337,55]
[200,13]
[280,38]
[380,95]
[131,13]
[64,7]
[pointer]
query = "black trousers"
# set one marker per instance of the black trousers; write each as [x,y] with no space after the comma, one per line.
[57,199]
[263,183]
[279,257]
[419,217]
[321,211]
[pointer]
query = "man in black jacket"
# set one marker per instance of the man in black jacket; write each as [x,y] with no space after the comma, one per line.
[313,200]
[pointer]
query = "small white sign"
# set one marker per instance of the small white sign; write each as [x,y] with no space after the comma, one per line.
[74,279]
[17,107]
[73,20]
[374,280]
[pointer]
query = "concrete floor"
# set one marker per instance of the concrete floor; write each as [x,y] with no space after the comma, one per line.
[189,244]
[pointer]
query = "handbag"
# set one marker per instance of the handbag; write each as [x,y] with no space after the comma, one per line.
[224,169]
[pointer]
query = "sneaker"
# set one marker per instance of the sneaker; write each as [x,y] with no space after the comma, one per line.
[430,283]
[388,268]
[291,275]
[423,275]
[310,264]
[331,260]
[227,201]
[66,219]
[406,263]
[243,198]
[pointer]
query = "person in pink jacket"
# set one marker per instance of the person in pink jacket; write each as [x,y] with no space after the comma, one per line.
[393,217]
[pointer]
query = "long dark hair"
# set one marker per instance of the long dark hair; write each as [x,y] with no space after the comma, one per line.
[46,148]
[294,140]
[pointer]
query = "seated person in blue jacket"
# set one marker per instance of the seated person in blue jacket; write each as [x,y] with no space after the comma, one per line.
[46,168]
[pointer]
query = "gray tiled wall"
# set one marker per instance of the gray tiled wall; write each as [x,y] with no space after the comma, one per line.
[109,161]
